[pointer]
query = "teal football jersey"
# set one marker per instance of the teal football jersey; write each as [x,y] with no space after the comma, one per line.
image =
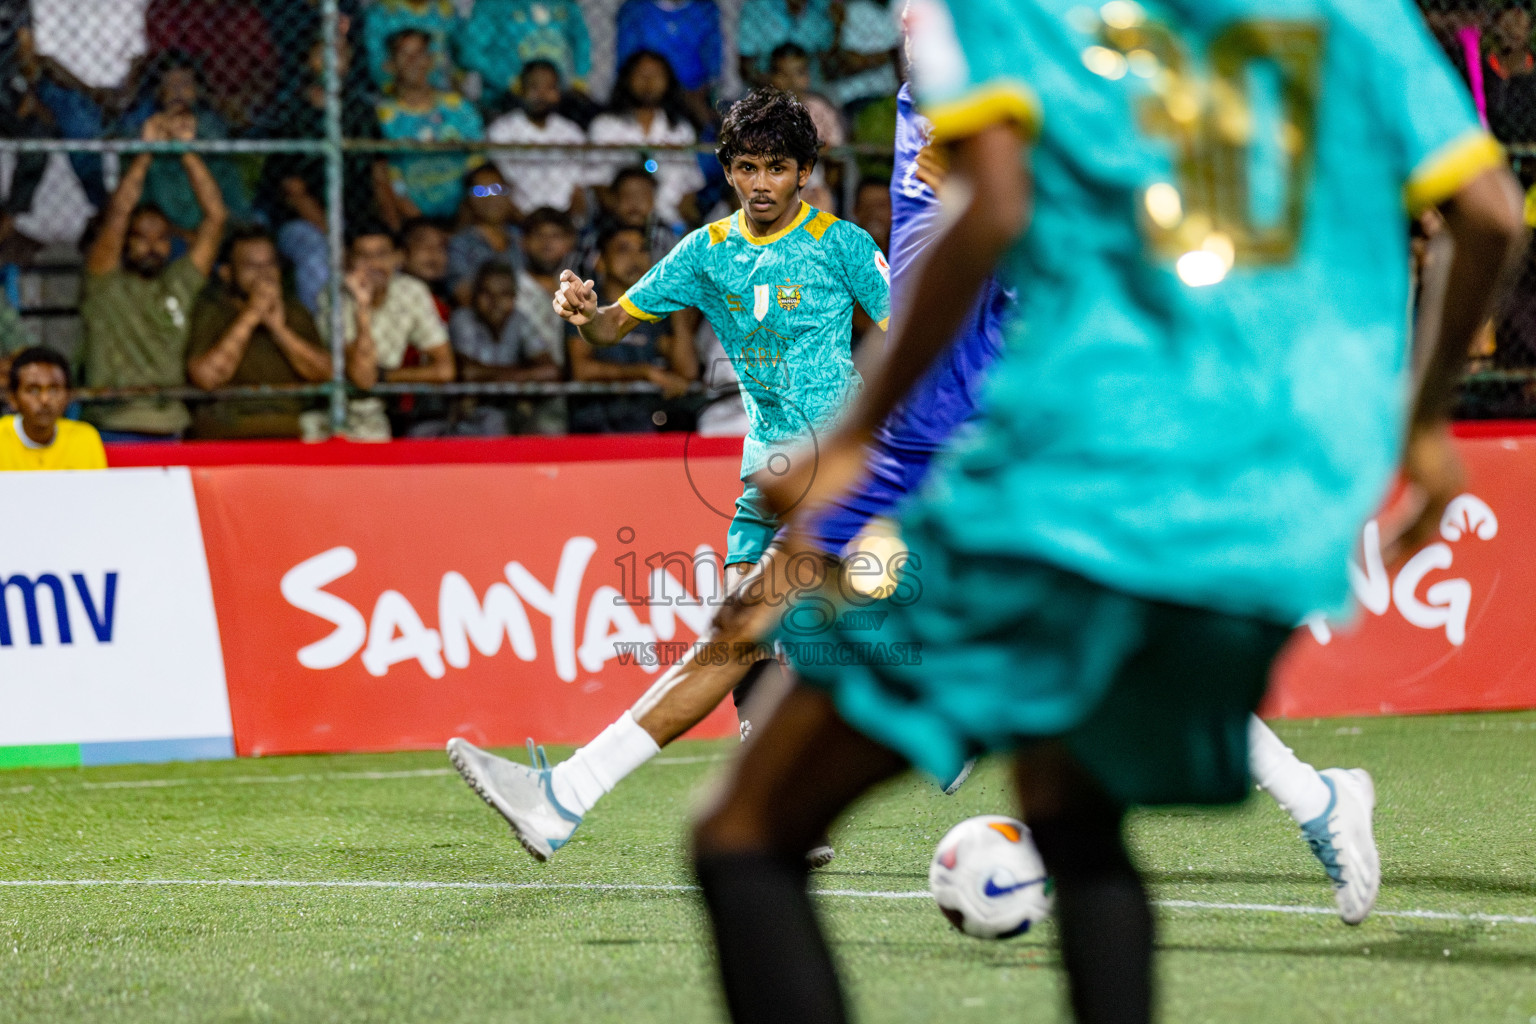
[1204,391]
[782,307]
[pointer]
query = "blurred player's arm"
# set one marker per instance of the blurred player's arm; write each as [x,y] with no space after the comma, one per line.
[576,302]
[1485,223]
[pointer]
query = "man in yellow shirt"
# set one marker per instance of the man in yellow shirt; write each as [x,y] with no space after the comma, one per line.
[38,437]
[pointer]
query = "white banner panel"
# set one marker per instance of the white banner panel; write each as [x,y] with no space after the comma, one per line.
[107,629]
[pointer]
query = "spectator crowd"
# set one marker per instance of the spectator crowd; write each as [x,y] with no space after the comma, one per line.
[212,270]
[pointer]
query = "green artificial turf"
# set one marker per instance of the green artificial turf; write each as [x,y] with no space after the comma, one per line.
[1456,821]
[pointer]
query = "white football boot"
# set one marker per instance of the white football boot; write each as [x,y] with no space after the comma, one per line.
[519,793]
[1341,840]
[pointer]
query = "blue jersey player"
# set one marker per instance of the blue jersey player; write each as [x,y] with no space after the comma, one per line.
[1204,393]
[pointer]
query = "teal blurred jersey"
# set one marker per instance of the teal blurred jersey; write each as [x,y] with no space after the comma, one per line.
[1205,385]
[782,307]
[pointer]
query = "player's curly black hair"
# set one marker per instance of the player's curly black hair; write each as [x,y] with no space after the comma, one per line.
[768,123]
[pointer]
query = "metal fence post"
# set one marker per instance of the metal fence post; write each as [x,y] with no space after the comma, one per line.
[334,186]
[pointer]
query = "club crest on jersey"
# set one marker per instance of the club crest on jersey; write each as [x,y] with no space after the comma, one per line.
[789,297]
[760,296]
[883,267]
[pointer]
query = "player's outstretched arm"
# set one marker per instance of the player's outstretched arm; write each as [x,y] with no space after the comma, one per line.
[576,302]
[1488,236]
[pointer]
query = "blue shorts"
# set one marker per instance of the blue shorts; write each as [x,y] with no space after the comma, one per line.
[892,476]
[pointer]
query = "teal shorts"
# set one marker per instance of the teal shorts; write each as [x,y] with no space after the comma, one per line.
[977,653]
[753,527]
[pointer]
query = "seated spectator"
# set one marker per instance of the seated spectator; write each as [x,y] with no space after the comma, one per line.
[1510,80]
[647,109]
[768,24]
[386,313]
[84,75]
[491,236]
[229,40]
[655,352]
[555,180]
[136,300]
[246,331]
[493,340]
[426,184]
[38,436]
[549,246]
[496,342]
[295,22]
[293,187]
[384,19]
[178,94]
[22,114]
[872,210]
[790,70]
[875,127]
[13,334]
[630,203]
[424,256]
[500,36]
[865,62]
[687,34]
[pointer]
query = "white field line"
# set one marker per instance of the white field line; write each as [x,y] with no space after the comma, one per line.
[261,780]
[285,883]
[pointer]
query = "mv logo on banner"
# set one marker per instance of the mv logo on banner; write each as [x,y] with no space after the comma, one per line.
[22,592]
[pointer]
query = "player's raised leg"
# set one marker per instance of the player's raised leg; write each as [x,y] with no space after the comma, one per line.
[545,804]
[1333,808]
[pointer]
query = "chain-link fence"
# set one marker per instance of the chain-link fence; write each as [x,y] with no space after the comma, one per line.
[519,133]
[323,120]
[1489,42]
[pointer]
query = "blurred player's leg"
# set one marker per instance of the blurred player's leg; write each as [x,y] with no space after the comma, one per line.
[544,804]
[801,769]
[1102,915]
[1333,808]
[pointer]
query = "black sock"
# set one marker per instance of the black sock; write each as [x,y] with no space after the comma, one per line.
[743,693]
[1102,917]
[774,961]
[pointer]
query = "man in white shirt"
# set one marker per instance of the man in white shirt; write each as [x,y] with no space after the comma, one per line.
[554,179]
[647,110]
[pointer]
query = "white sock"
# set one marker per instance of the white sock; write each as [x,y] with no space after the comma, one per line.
[602,764]
[1294,784]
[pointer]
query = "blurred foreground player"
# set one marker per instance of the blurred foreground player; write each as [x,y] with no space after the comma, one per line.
[1334,807]
[1201,400]
[38,436]
[778,282]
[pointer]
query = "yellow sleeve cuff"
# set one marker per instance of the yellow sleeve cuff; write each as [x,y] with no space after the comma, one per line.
[635,311]
[998,102]
[1443,173]
[885,324]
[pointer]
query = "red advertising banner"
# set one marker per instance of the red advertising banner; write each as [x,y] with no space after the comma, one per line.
[1451,629]
[386,607]
[375,608]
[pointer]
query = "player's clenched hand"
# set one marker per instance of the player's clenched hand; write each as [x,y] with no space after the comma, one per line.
[576,300]
[1433,472]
